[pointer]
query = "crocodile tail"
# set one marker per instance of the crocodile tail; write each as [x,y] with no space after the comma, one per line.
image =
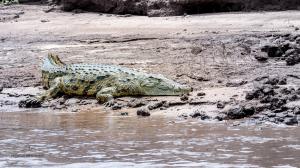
[54,60]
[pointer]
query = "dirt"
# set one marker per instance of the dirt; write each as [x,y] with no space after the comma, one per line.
[221,56]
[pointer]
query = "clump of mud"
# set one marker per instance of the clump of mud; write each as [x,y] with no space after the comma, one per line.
[283,47]
[271,100]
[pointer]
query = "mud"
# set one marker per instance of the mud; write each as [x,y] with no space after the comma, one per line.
[216,54]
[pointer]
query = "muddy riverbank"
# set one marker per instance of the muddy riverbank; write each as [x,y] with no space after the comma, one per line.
[225,57]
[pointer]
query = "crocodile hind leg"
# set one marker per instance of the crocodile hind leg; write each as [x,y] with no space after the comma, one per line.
[105,96]
[36,101]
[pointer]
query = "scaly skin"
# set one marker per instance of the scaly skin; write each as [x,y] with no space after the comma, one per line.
[104,82]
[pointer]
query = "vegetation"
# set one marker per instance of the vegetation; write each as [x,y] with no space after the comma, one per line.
[9,2]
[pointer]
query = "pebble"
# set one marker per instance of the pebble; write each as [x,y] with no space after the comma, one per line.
[143,112]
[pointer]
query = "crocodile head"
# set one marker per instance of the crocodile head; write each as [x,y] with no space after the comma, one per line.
[161,86]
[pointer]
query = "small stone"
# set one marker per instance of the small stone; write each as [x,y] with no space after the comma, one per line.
[124,113]
[291,121]
[220,117]
[184,115]
[116,106]
[30,103]
[72,101]
[220,105]
[297,110]
[261,58]
[156,105]
[184,97]
[201,94]
[143,112]
[45,20]
[74,110]
[136,103]
[271,114]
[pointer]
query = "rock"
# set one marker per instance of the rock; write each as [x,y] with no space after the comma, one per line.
[74,110]
[261,58]
[199,114]
[124,113]
[1,88]
[184,97]
[45,20]
[291,121]
[220,117]
[297,110]
[273,50]
[236,84]
[72,101]
[137,103]
[30,103]
[239,112]
[176,103]
[156,105]
[184,115]
[201,94]
[220,105]
[293,59]
[270,114]
[116,106]
[143,112]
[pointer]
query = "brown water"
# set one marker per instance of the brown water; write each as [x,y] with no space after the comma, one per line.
[91,139]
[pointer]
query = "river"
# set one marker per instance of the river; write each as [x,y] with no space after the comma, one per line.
[102,139]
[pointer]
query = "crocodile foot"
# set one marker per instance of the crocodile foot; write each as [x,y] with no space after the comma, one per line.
[30,103]
[109,103]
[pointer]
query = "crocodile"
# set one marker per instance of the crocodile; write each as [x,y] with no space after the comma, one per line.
[104,82]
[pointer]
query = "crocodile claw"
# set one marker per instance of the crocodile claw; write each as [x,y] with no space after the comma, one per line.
[30,103]
[109,103]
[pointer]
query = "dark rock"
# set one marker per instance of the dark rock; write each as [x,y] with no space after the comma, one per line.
[117,106]
[287,91]
[184,115]
[156,105]
[273,50]
[176,103]
[199,114]
[184,97]
[1,88]
[262,107]
[124,113]
[201,94]
[291,121]
[220,117]
[143,112]
[297,110]
[137,103]
[293,59]
[221,105]
[30,103]
[236,84]
[240,112]
[261,58]
[278,102]
[270,114]
[289,52]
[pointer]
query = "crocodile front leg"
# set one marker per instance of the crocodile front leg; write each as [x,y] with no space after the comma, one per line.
[105,96]
[36,101]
